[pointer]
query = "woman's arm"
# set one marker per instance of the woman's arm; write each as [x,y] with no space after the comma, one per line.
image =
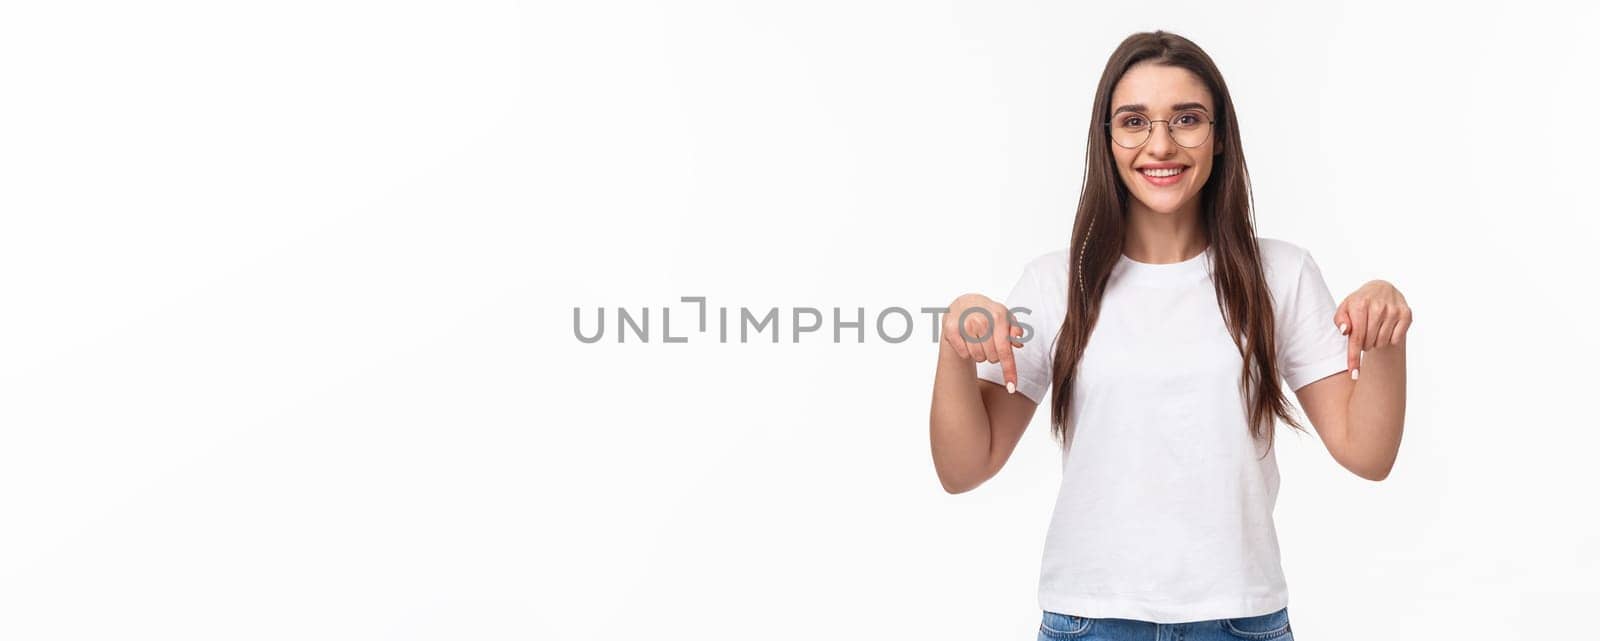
[1361,417]
[974,424]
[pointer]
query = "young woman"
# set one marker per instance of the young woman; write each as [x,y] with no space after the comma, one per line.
[1171,332]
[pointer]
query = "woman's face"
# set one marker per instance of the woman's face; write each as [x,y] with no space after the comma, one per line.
[1149,92]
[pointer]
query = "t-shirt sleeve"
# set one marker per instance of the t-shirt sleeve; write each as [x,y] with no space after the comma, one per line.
[1034,358]
[1310,345]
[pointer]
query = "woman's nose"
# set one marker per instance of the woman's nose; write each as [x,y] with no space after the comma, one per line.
[1161,143]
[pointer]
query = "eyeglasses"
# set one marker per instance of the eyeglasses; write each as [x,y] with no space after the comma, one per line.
[1131,129]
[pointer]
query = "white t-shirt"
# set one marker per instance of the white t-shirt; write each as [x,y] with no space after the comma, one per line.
[1165,512]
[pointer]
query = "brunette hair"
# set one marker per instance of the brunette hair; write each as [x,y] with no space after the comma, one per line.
[1226,214]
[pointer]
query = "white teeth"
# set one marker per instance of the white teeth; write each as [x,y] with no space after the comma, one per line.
[1160,173]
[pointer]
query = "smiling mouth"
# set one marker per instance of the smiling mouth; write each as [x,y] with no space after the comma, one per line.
[1159,173]
[1163,177]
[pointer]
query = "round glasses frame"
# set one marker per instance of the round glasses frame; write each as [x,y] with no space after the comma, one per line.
[1211,124]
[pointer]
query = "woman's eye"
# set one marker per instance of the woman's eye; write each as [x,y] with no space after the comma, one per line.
[1133,121]
[1188,119]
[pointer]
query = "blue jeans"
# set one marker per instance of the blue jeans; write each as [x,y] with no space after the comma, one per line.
[1265,627]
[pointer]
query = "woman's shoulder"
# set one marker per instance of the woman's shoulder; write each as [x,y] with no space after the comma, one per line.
[1289,268]
[1279,256]
[1279,247]
[1050,267]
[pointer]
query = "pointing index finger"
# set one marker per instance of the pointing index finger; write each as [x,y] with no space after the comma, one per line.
[1358,338]
[1002,345]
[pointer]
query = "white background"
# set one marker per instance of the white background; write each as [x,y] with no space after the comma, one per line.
[286,294]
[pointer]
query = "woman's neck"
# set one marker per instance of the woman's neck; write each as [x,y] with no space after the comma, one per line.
[1158,238]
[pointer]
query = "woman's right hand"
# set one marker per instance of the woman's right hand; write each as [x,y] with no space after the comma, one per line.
[972,336]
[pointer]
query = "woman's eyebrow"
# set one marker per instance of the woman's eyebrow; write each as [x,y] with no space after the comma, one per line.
[1177,107]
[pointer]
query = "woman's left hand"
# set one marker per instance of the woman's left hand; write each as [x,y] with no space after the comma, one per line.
[1375,316]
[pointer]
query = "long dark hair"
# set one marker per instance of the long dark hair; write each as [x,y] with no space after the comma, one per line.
[1226,214]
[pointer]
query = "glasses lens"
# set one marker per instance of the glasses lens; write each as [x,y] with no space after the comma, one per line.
[1190,128]
[1129,129]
